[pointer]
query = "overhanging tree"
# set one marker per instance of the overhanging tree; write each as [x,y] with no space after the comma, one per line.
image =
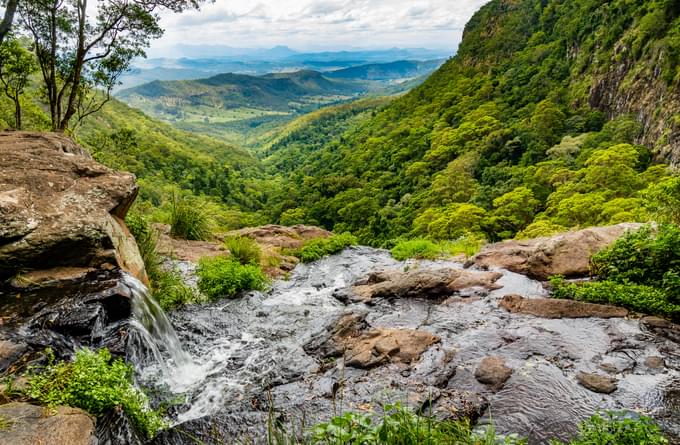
[83,47]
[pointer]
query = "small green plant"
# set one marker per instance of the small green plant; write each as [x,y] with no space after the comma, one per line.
[244,249]
[220,277]
[318,248]
[189,219]
[96,383]
[615,429]
[5,423]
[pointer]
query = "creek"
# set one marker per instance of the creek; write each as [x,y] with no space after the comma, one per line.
[236,364]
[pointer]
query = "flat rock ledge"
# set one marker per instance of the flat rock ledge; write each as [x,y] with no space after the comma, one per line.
[554,308]
[423,283]
[34,425]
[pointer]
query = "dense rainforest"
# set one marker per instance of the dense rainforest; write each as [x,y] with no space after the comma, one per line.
[522,132]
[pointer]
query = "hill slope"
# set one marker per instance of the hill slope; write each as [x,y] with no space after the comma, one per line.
[532,127]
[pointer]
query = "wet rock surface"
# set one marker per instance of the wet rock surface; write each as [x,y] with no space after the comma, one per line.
[565,254]
[554,308]
[34,425]
[288,350]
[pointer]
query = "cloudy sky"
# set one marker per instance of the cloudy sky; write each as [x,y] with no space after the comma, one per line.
[321,24]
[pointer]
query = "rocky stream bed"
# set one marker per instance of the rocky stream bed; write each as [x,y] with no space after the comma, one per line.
[455,342]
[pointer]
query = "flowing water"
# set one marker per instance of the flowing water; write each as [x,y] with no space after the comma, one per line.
[244,353]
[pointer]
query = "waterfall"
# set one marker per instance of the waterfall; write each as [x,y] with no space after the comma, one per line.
[153,341]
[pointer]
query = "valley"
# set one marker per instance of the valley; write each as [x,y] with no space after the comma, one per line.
[354,246]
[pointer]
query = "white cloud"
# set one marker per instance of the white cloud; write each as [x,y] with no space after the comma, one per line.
[321,24]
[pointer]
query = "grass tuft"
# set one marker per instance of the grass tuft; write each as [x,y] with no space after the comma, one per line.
[222,277]
[244,249]
[190,219]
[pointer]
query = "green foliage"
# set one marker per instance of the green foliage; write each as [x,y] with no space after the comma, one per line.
[221,277]
[97,384]
[664,199]
[189,219]
[166,285]
[245,250]
[400,426]
[614,428]
[318,248]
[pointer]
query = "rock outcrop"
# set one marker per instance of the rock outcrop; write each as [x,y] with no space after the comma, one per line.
[60,208]
[379,346]
[554,308]
[34,425]
[281,236]
[565,254]
[423,283]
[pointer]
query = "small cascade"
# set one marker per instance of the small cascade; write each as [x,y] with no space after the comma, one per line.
[153,341]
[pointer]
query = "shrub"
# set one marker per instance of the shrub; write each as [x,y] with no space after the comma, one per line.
[96,383]
[422,249]
[613,428]
[220,277]
[190,219]
[244,249]
[637,297]
[318,248]
[647,256]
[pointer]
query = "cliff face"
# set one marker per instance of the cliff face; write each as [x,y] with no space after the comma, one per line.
[622,89]
[622,58]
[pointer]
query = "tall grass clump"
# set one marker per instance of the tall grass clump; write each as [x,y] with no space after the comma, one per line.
[167,286]
[190,219]
[97,384]
[244,249]
[222,277]
[318,248]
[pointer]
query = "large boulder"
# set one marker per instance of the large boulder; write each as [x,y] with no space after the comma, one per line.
[565,254]
[60,208]
[424,283]
[32,425]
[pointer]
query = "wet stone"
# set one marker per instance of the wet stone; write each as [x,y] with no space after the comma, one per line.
[597,383]
[493,371]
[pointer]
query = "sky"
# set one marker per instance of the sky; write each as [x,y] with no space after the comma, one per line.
[312,25]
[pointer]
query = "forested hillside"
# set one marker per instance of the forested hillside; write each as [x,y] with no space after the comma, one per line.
[546,119]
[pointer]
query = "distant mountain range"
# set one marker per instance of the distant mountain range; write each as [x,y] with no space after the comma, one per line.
[235,106]
[195,62]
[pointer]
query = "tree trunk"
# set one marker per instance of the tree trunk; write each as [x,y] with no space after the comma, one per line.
[6,23]
[17,112]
